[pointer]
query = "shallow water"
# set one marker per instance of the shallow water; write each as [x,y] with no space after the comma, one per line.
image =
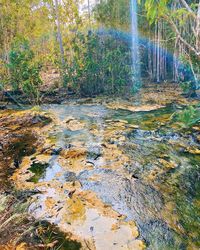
[123,180]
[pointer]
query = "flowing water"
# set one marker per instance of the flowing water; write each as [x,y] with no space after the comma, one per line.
[115,179]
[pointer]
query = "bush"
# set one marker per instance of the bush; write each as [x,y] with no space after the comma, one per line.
[101,64]
[186,87]
[24,71]
[188,117]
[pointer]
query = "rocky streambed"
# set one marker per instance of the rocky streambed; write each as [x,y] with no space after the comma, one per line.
[106,176]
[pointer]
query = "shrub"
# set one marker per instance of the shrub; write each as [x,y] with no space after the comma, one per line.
[24,71]
[188,117]
[186,87]
[101,64]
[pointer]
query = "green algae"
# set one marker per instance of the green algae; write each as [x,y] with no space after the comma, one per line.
[187,200]
[38,169]
[147,120]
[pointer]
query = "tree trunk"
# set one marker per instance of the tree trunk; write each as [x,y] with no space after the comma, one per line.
[198,30]
[59,37]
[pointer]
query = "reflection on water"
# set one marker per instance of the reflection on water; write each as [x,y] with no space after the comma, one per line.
[52,171]
[117,167]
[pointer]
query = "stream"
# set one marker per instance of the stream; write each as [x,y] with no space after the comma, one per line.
[116,179]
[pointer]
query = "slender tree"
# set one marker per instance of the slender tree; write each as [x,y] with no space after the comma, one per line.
[60,40]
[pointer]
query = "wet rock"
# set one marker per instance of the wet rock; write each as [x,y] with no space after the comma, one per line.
[70,194]
[16,163]
[133,126]
[70,176]
[47,149]
[196,128]
[135,176]
[73,153]
[56,151]
[3,107]
[74,124]
[69,119]
[195,151]
[68,146]
[94,153]
[167,164]
[129,107]
[119,121]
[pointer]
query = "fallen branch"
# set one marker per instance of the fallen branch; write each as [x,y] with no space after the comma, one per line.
[6,93]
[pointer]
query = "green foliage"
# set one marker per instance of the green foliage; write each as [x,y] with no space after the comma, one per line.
[24,71]
[186,87]
[155,9]
[187,77]
[188,117]
[101,64]
[3,73]
[113,13]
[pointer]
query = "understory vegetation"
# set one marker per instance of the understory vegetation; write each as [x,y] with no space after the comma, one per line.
[91,48]
[23,71]
[188,116]
[100,64]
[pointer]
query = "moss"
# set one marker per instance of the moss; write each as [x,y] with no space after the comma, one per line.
[38,169]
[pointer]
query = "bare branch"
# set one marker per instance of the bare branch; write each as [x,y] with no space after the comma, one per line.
[189,46]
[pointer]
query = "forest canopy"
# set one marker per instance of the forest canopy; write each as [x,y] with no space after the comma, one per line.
[89,44]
